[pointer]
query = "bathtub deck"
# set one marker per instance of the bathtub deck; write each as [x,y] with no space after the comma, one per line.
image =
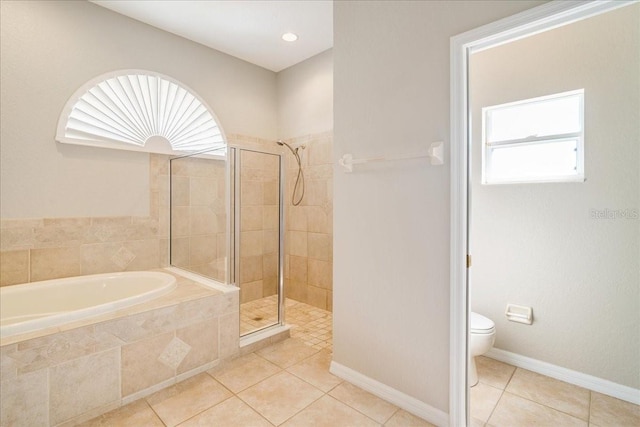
[79,370]
[186,290]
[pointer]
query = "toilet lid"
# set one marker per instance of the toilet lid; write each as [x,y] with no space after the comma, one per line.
[480,324]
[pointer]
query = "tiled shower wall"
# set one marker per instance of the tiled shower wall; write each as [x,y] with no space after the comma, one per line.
[51,248]
[309,226]
[259,224]
[199,221]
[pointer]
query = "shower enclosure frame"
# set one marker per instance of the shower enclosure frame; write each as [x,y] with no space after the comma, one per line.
[233,164]
[236,185]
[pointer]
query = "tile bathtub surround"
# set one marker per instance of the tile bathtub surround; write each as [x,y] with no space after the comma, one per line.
[51,248]
[199,218]
[286,384]
[95,365]
[309,227]
[510,396]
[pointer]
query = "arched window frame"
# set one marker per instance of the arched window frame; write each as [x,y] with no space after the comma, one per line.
[149,116]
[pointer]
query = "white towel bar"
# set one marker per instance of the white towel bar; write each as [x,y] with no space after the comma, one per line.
[435,153]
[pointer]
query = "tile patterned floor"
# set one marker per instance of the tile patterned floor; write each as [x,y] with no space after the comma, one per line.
[287,384]
[309,324]
[510,396]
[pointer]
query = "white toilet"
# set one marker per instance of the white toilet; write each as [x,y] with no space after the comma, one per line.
[482,334]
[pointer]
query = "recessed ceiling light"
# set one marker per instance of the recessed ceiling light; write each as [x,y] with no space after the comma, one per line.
[289,37]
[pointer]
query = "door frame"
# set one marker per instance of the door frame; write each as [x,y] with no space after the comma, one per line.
[542,18]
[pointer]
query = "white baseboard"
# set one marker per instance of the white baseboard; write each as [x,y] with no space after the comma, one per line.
[590,382]
[406,402]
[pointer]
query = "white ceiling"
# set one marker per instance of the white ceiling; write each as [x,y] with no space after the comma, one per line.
[247,29]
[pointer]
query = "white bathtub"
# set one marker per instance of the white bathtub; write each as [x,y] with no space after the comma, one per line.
[32,306]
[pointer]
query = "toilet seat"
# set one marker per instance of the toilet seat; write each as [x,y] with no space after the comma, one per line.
[478,324]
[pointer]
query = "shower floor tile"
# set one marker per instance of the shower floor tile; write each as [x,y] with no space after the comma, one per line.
[311,325]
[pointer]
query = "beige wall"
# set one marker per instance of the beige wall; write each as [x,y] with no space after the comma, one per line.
[51,48]
[391,222]
[305,97]
[540,245]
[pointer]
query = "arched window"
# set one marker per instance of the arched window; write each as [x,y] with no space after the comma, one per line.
[140,111]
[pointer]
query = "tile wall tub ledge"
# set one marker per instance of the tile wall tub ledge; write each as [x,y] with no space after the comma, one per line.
[68,373]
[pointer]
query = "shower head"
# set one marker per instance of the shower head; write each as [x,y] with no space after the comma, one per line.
[284,144]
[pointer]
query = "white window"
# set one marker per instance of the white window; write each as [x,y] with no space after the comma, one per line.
[140,111]
[534,140]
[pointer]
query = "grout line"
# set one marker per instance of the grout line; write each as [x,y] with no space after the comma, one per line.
[153,410]
[494,408]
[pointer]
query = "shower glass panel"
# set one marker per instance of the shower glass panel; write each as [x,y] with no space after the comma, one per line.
[199,223]
[258,180]
[226,225]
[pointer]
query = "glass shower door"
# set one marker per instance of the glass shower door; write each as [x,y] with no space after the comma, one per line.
[199,226]
[258,213]
[241,245]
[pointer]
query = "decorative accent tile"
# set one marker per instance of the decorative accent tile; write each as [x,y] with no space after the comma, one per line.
[103,233]
[174,353]
[123,257]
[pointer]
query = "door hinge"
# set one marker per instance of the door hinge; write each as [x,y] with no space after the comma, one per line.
[468,261]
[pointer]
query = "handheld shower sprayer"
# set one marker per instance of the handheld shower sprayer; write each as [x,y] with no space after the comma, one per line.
[300,177]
